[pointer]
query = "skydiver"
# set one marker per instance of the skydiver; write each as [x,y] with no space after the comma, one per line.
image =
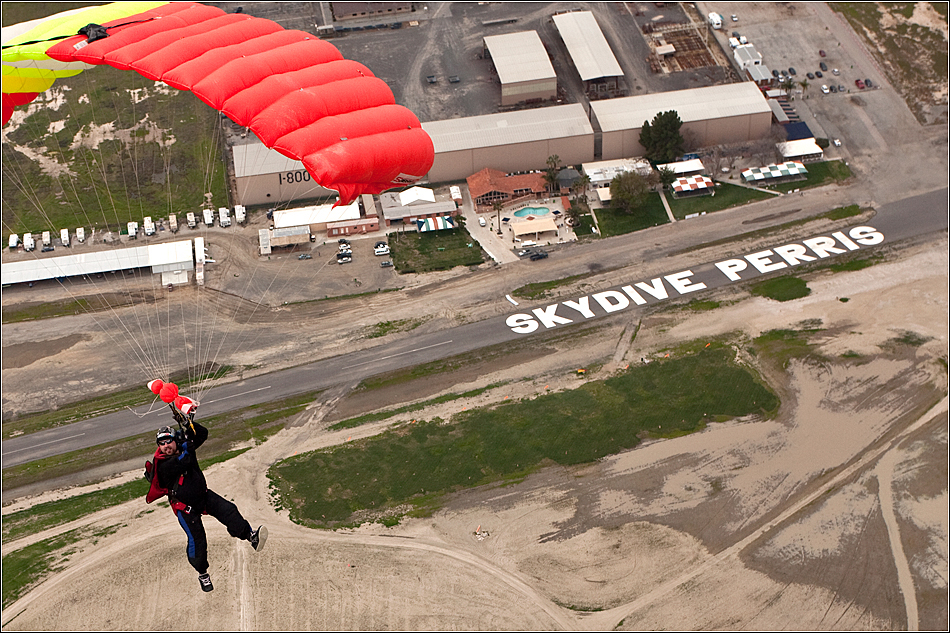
[178,472]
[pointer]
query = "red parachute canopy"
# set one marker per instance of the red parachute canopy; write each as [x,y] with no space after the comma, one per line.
[155,386]
[294,91]
[182,401]
[169,392]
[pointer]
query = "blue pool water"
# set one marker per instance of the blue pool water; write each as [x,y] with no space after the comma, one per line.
[523,213]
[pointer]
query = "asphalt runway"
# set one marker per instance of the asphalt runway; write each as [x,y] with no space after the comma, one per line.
[912,217]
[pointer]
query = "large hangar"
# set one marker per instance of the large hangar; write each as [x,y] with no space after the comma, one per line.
[510,141]
[712,115]
[265,176]
[523,67]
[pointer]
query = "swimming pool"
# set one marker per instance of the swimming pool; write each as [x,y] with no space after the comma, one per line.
[523,213]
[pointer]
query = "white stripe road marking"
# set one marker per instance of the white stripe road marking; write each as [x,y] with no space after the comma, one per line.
[412,351]
[236,395]
[62,439]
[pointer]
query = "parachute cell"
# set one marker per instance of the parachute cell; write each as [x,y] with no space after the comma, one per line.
[276,82]
[155,386]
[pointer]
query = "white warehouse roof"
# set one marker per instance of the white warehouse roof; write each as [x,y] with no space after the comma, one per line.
[318,214]
[519,57]
[255,158]
[587,45]
[508,128]
[695,104]
[167,257]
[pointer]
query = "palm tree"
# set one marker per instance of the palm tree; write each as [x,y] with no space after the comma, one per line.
[804,84]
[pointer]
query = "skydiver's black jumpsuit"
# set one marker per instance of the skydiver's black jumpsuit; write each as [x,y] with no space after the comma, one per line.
[182,476]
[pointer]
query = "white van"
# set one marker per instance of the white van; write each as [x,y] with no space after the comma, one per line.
[481,221]
[64,237]
[80,235]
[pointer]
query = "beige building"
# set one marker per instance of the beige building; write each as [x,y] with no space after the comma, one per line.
[265,176]
[510,142]
[713,115]
[523,67]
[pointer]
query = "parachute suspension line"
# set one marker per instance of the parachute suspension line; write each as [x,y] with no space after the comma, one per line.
[33,197]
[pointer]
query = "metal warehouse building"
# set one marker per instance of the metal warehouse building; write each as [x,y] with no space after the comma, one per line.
[523,67]
[713,115]
[511,141]
[590,52]
[265,176]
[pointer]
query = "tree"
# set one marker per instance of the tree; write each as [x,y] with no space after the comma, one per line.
[496,207]
[550,176]
[628,191]
[666,176]
[662,139]
[579,188]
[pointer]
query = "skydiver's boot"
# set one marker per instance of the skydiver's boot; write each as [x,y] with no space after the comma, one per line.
[205,581]
[258,538]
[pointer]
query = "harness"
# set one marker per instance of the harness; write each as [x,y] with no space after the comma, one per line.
[156,491]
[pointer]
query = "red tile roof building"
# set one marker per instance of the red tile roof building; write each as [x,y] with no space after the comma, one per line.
[491,185]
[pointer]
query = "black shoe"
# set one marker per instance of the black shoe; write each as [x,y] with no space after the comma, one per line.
[258,538]
[205,581]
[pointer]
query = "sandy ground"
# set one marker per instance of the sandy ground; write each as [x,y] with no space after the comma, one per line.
[831,516]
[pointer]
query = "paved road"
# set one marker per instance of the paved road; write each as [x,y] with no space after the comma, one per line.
[911,217]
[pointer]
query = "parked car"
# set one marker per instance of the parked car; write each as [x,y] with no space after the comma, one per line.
[833,88]
[823,66]
[818,74]
[825,89]
[535,256]
[810,75]
[837,142]
[867,83]
[386,264]
[305,256]
[481,222]
[343,258]
[840,88]
[735,18]
[821,53]
[343,241]
[791,71]
[381,249]
[775,73]
[859,84]
[835,72]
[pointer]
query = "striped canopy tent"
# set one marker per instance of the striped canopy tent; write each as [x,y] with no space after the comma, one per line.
[437,223]
[692,186]
[785,170]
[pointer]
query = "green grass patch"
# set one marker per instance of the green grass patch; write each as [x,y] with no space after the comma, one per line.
[417,464]
[542,289]
[172,154]
[255,423]
[781,288]
[435,250]
[699,305]
[785,344]
[388,327]
[27,567]
[727,196]
[614,222]
[843,213]
[910,339]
